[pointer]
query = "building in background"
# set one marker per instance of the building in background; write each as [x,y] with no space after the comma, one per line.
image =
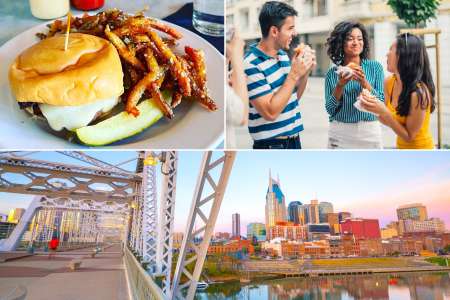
[344,215]
[324,209]
[237,247]
[387,233]
[3,217]
[429,225]
[317,18]
[361,228]
[333,220]
[275,203]
[416,211]
[293,212]
[313,212]
[15,214]
[257,231]
[222,235]
[287,231]
[318,231]
[177,239]
[236,230]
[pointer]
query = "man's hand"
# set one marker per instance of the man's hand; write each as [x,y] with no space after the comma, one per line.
[300,67]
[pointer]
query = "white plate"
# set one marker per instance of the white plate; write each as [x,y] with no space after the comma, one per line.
[193,126]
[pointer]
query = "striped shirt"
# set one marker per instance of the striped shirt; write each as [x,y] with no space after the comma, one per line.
[266,74]
[343,110]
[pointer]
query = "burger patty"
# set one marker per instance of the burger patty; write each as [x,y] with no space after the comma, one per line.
[31,107]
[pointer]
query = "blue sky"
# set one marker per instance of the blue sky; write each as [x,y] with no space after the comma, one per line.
[368,184]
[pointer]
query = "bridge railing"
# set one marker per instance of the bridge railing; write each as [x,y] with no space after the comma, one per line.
[141,284]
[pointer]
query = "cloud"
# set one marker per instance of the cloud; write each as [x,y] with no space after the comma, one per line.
[434,195]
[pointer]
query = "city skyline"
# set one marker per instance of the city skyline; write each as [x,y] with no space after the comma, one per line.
[363,183]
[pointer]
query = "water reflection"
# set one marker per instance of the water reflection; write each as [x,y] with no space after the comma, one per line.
[428,286]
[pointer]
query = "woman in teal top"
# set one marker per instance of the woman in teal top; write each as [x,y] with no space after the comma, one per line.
[350,128]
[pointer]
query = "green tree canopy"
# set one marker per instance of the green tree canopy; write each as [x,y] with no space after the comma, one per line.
[414,12]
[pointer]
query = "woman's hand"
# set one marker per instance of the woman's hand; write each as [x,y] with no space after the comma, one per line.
[344,78]
[372,104]
[358,75]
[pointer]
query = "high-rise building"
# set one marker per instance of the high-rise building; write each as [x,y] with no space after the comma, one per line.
[415,211]
[324,209]
[430,225]
[333,220]
[361,228]
[344,215]
[275,203]
[293,212]
[236,232]
[302,214]
[15,214]
[313,212]
[256,230]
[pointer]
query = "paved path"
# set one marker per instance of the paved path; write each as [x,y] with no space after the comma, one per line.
[315,120]
[102,277]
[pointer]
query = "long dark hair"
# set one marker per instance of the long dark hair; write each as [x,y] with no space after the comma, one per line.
[336,41]
[414,69]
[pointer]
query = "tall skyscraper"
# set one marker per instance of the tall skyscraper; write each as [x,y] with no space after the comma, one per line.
[293,212]
[302,214]
[415,211]
[236,232]
[313,212]
[15,214]
[324,209]
[275,203]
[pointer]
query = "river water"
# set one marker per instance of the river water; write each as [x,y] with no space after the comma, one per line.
[402,286]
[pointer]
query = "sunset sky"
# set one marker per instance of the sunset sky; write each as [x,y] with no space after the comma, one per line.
[368,184]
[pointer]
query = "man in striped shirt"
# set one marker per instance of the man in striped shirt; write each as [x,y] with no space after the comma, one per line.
[275,85]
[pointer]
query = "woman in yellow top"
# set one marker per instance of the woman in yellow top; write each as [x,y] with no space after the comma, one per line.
[409,94]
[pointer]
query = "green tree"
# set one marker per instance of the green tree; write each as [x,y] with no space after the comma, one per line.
[414,12]
[447,248]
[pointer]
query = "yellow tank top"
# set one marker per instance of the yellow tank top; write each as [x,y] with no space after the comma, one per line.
[423,139]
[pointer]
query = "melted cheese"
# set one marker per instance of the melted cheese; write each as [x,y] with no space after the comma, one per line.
[73,117]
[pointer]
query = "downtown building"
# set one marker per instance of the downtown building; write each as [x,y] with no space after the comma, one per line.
[15,214]
[416,211]
[236,226]
[287,231]
[275,210]
[413,218]
[256,231]
[361,228]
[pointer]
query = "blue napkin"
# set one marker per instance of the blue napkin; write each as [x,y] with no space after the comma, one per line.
[183,18]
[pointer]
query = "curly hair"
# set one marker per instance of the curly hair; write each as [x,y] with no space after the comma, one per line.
[337,38]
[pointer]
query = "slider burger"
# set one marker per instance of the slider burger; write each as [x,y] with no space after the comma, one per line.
[71,88]
[347,70]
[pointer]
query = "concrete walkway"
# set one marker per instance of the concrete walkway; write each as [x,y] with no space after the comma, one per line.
[315,120]
[102,277]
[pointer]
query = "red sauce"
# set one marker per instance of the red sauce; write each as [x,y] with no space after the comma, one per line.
[87,4]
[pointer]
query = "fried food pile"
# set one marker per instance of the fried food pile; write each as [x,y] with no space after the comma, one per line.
[149,61]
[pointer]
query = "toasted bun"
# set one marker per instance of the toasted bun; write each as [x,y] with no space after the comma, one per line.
[89,70]
[353,65]
[299,49]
